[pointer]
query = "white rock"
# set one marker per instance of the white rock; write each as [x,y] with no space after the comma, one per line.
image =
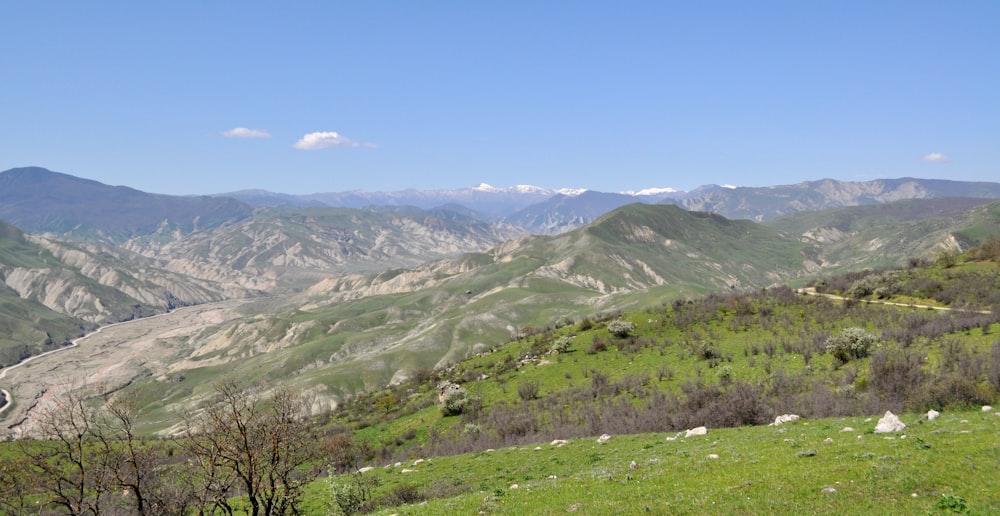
[829,490]
[987,408]
[558,442]
[932,415]
[785,418]
[418,461]
[889,423]
[604,438]
[514,486]
[828,440]
[537,448]
[407,471]
[847,429]
[633,465]
[713,456]
[365,469]
[696,431]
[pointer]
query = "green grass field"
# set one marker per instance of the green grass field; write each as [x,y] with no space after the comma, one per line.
[805,467]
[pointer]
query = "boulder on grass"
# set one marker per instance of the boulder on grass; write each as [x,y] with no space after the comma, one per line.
[889,424]
[785,418]
[696,431]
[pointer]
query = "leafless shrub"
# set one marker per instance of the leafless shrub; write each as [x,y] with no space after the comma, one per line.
[895,375]
[527,390]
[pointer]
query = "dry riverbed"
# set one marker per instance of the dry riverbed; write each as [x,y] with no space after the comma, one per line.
[108,359]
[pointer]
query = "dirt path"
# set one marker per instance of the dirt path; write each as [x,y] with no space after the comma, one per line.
[812,292]
[110,358]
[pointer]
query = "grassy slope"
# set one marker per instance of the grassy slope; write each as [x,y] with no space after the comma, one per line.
[27,327]
[759,468]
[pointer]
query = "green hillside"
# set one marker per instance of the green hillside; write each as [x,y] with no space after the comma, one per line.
[28,327]
[514,428]
[356,333]
[721,361]
[890,234]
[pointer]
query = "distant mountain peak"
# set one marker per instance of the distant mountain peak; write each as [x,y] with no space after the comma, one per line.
[651,191]
[521,189]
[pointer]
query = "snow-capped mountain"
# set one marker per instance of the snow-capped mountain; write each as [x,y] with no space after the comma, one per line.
[485,198]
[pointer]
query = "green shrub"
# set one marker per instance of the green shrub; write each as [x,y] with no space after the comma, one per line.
[850,344]
[620,328]
[562,344]
[454,402]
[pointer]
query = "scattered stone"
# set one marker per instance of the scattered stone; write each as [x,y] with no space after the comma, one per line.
[444,388]
[408,471]
[806,453]
[785,418]
[987,408]
[696,431]
[558,442]
[829,489]
[573,508]
[889,423]
[418,461]
[552,477]
[674,438]
[514,486]
[932,415]
[398,464]
[712,456]
[365,469]
[603,438]
[537,448]
[828,440]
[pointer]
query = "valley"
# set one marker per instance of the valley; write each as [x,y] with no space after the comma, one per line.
[109,359]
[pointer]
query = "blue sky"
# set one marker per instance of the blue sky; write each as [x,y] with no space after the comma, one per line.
[203,97]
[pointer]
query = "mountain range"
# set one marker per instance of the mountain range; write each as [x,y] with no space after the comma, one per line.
[356,290]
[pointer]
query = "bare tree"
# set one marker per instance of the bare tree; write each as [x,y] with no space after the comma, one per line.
[72,467]
[256,443]
[139,465]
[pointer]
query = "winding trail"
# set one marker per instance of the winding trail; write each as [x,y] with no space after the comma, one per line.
[811,291]
[112,356]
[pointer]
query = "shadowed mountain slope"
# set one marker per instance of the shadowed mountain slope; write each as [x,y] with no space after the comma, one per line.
[39,200]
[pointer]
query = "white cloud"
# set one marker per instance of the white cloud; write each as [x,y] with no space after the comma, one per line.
[935,157]
[326,140]
[243,132]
